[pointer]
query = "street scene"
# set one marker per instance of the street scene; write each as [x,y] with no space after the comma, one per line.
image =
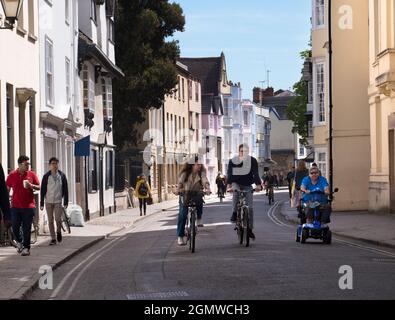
[197,151]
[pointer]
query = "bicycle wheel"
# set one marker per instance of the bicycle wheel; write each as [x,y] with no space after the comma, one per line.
[65,222]
[246,227]
[193,231]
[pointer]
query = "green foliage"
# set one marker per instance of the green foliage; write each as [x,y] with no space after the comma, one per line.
[146,58]
[297,108]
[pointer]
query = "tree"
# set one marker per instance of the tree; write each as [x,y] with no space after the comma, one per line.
[147,59]
[297,108]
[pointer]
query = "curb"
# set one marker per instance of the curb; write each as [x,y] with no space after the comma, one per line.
[368,241]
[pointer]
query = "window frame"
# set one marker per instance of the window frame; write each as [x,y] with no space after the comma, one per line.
[49,71]
[316,16]
[320,116]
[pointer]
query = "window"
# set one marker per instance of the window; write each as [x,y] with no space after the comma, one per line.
[31,18]
[226,108]
[92,173]
[183,89]
[320,92]
[319,13]
[10,127]
[88,90]
[93,11]
[179,88]
[197,91]
[107,98]
[110,28]
[67,11]
[321,157]
[245,118]
[197,127]
[109,169]
[310,93]
[301,149]
[190,120]
[49,86]
[190,89]
[310,129]
[211,121]
[68,82]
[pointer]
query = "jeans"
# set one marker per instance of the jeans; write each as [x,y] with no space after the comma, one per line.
[183,216]
[143,204]
[24,218]
[249,201]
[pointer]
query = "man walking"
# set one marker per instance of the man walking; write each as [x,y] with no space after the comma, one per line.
[53,189]
[23,182]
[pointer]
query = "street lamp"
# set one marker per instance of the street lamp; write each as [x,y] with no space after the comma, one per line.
[11,10]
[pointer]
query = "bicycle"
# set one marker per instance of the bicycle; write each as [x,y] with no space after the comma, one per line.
[6,236]
[193,200]
[65,221]
[243,219]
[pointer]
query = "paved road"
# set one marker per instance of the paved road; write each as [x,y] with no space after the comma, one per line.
[145,262]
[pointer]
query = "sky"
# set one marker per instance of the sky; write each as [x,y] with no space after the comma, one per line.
[255,35]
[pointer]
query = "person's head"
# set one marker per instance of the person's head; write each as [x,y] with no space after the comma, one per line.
[301,166]
[142,176]
[314,173]
[23,163]
[219,174]
[53,164]
[314,165]
[192,166]
[243,150]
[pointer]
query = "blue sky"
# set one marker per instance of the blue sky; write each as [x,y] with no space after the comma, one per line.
[255,35]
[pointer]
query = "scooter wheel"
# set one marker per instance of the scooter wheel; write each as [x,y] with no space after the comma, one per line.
[328,237]
[305,235]
[297,238]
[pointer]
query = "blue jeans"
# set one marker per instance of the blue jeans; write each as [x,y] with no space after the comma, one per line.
[22,217]
[183,215]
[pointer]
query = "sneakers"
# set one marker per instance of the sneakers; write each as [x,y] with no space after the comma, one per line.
[19,247]
[52,243]
[251,235]
[25,252]
[181,241]
[59,237]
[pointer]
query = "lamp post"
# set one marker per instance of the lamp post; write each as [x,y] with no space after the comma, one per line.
[11,9]
[330,96]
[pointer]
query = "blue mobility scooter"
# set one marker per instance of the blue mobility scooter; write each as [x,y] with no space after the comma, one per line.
[314,230]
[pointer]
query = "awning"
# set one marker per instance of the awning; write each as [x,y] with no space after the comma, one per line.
[83,147]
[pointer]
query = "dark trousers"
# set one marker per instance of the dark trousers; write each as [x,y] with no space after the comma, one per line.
[143,204]
[182,218]
[24,218]
[324,216]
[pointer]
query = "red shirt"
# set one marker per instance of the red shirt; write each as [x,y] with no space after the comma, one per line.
[22,198]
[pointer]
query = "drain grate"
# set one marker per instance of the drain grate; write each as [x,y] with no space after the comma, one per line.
[157,295]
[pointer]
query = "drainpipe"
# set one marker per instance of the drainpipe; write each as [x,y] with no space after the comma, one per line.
[330,97]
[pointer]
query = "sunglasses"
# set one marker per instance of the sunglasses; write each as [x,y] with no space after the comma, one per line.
[314,173]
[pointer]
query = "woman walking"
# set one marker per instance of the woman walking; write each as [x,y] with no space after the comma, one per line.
[142,192]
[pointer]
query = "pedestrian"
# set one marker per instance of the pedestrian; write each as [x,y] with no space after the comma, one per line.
[54,189]
[300,174]
[220,181]
[4,199]
[23,182]
[290,177]
[142,192]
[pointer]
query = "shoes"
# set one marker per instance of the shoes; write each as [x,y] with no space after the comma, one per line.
[25,252]
[53,242]
[199,223]
[59,237]
[19,247]
[181,241]
[251,235]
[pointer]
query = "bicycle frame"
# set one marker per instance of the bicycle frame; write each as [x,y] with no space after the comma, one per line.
[242,223]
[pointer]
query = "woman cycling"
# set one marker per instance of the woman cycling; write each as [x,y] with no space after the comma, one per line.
[193,179]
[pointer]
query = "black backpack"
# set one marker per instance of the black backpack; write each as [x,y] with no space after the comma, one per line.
[143,190]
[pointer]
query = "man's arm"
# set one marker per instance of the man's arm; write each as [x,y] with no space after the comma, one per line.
[36,183]
[229,174]
[255,172]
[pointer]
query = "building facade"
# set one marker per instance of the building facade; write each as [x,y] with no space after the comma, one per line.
[351,133]
[20,90]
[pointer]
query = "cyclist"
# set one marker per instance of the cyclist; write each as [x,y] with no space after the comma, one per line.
[221,184]
[242,173]
[313,182]
[269,182]
[193,179]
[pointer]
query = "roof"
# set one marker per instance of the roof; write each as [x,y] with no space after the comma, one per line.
[279,103]
[208,70]
[280,112]
[211,104]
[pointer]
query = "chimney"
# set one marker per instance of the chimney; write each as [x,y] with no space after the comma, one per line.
[268,92]
[257,95]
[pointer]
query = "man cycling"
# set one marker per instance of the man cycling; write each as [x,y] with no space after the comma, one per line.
[242,173]
[268,181]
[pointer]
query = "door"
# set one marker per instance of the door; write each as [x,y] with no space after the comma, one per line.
[392,168]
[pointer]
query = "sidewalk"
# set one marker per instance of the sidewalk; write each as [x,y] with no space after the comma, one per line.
[377,229]
[19,275]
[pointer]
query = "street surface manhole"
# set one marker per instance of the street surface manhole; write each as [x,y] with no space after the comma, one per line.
[157,295]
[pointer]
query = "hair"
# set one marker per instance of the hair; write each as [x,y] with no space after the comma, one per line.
[244,145]
[314,169]
[22,159]
[302,166]
[53,159]
[188,166]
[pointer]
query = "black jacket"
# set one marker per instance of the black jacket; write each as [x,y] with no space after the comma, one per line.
[44,185]
[4,198]
[244,178]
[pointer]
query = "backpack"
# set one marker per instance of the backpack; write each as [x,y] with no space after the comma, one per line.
[143,190]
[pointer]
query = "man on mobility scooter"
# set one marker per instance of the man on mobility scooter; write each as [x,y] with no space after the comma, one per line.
[316,204]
